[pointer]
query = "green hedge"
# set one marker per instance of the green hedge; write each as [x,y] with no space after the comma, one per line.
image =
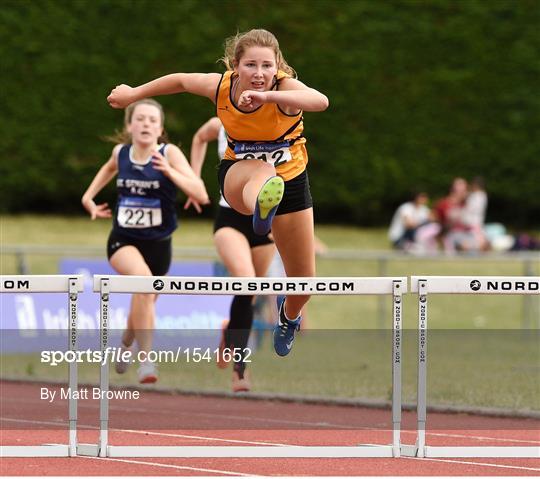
[420,92]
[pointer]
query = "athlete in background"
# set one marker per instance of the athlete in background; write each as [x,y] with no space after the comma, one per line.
[148,173]
[243,253]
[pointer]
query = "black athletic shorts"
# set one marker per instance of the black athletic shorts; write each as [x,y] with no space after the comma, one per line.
[157,254]
[228,217]
[297,196]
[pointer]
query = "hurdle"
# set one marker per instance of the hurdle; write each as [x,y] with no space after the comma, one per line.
[70,285]
[394,286]
[424,285]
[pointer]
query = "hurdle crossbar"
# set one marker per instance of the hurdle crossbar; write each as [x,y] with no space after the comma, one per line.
[106,285]
[247,286]
[425,285]
[70,285]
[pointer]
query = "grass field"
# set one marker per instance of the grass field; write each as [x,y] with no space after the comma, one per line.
[493,369]
[484,352]
[446,312]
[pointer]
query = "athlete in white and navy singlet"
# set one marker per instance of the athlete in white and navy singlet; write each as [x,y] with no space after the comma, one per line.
[237,244]
[145,207]
[148,172]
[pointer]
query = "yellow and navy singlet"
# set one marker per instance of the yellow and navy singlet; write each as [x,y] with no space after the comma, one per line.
[146,198]
[266,133]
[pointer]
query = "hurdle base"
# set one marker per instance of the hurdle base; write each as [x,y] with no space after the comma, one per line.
[91,450]
[408,450]
[44,450]
[250,451]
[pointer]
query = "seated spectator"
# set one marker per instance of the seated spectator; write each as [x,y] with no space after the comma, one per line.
[500,240]
[449,214]
[473,217]
[474,214]
[470,236]
[412,228]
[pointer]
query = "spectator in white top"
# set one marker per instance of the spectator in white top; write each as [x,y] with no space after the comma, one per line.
[475,204]
[409,223]
[473,216]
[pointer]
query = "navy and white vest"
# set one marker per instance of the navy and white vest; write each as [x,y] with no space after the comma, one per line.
[146,197]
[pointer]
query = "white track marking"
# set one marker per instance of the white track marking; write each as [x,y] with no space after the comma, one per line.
[202,438]
[461,436]
[299,423]
[164,434]
[171,466]
[452,461]
[482,438]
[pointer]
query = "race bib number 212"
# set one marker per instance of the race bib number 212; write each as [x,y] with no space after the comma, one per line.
[274,152]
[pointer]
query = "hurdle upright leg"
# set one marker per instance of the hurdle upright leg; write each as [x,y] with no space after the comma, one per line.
[104,371]
[397,315]
[72,285]
[73,373]
[472,285]
[421,406]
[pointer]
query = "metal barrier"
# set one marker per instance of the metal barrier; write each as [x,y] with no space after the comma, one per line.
[529,260]
[70,285]
[389,286]
[106,285]
[428,285]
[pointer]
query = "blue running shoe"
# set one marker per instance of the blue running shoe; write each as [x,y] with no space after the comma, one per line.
[284,332]
[267,204]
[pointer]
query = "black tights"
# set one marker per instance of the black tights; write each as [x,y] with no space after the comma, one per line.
[237,333]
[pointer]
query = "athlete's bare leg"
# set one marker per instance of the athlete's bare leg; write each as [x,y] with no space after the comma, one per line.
[262,257]
[141,320]
[295,239]
[233,249]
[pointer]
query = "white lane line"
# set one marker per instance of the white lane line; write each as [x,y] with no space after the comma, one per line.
[203,438]
[171,466]
[46,423]
[191,414]
[297,423]
[462,436]
[164,434]
[480,438]
[471,463]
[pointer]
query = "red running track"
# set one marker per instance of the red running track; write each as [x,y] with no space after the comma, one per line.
[163,419]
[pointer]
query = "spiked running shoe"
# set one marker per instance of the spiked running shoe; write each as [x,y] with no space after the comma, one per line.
[284,332]
[267,204]
[147,373]
[223,359]
[240,381]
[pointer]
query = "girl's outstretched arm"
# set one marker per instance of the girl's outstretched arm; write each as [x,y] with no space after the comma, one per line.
[175,166]
[206,133]
[202,84]
[105,174]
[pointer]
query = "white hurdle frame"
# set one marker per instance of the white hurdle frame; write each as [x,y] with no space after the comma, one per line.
[70,285]
[395,286]
[424,285]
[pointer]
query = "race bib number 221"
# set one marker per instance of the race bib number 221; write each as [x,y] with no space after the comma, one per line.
[139,212]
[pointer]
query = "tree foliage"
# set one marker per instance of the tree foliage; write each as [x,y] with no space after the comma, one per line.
[420,92]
